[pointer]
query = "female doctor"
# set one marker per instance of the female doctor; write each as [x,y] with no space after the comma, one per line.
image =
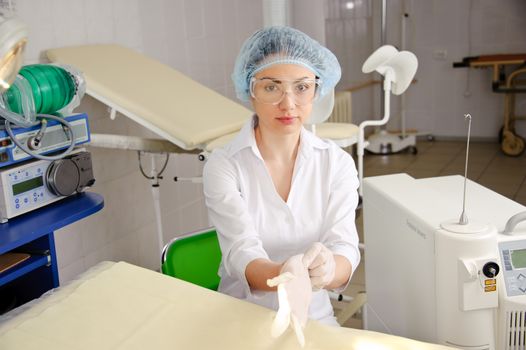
[283,200]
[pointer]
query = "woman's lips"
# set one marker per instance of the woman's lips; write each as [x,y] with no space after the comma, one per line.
[286,120]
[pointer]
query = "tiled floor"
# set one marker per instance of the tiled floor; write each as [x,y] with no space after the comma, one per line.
[487,165]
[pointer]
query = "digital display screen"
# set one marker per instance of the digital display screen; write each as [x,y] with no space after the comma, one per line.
[518,258]
[27,185]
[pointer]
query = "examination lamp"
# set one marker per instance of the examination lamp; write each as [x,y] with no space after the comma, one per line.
[398,69]
[13,39]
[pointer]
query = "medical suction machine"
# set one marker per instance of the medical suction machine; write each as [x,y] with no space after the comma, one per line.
[38,160]
[432,278]
[38,132]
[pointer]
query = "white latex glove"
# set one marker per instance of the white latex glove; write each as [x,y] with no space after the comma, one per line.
[321,264]
[294,296]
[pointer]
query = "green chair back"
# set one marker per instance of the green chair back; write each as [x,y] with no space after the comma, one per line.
[194,258]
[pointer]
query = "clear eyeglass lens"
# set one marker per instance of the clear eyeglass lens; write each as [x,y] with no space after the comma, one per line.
[272,91]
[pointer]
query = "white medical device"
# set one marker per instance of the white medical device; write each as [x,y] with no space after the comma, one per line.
[34,184]
[428,283]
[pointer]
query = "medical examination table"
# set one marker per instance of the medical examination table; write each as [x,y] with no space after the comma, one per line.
[122,306]
[160,98]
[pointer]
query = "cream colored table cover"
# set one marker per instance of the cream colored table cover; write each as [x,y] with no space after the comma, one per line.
[122,306]
[154,95]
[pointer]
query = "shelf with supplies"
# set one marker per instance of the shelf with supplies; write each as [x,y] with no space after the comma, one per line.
[27,246]
[20,268]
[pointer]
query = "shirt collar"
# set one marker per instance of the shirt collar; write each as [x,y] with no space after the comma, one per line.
[247,139]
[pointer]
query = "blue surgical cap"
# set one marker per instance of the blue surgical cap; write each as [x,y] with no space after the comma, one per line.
[274,45]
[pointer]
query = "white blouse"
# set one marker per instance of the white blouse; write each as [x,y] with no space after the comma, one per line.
[253,221]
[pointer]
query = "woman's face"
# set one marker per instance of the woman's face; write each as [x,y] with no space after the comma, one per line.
[288,115]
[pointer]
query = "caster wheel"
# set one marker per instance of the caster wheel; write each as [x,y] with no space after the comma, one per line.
[512,145]
[413,150]
[501,134]
[430,138]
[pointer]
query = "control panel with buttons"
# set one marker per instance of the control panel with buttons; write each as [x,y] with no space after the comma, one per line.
[28,188]
[34,184]
[513,263]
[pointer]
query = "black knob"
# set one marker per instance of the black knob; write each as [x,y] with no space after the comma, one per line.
[63,177]
[490,269]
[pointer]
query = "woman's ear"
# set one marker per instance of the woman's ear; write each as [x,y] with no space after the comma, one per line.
[252,101]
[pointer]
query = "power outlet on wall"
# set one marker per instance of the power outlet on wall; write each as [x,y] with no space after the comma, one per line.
[440,54]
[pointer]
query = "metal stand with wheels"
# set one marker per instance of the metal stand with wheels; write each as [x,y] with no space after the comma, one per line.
[511,143]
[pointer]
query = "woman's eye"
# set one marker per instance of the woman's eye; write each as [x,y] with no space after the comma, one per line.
[271,88]
[303,87]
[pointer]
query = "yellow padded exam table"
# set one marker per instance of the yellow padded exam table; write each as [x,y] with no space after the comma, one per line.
[154,95]
[122,306]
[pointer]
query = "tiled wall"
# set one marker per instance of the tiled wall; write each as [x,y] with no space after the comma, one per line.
[439,32]
[199,38]
[444,94]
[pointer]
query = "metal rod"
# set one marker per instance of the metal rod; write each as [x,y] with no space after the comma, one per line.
[402,98]
[383,40]
[463,217]
[383,22]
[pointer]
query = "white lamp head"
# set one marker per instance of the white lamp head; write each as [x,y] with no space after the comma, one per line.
[399,66]
[322,108]
[13,38]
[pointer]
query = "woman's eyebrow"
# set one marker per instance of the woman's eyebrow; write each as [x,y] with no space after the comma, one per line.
[279,80]
[271,78]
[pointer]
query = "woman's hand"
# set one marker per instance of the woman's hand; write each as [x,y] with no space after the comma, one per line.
[294,295]
[321,264]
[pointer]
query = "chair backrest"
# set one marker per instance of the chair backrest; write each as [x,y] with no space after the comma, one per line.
[342,112]
[194,258]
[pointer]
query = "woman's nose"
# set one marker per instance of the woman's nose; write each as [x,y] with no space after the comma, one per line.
[287,102]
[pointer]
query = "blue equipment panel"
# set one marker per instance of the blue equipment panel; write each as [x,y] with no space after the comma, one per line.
[54,139]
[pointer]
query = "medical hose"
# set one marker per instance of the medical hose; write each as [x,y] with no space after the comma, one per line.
[68,129]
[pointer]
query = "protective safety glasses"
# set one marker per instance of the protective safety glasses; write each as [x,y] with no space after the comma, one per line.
[272,91]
